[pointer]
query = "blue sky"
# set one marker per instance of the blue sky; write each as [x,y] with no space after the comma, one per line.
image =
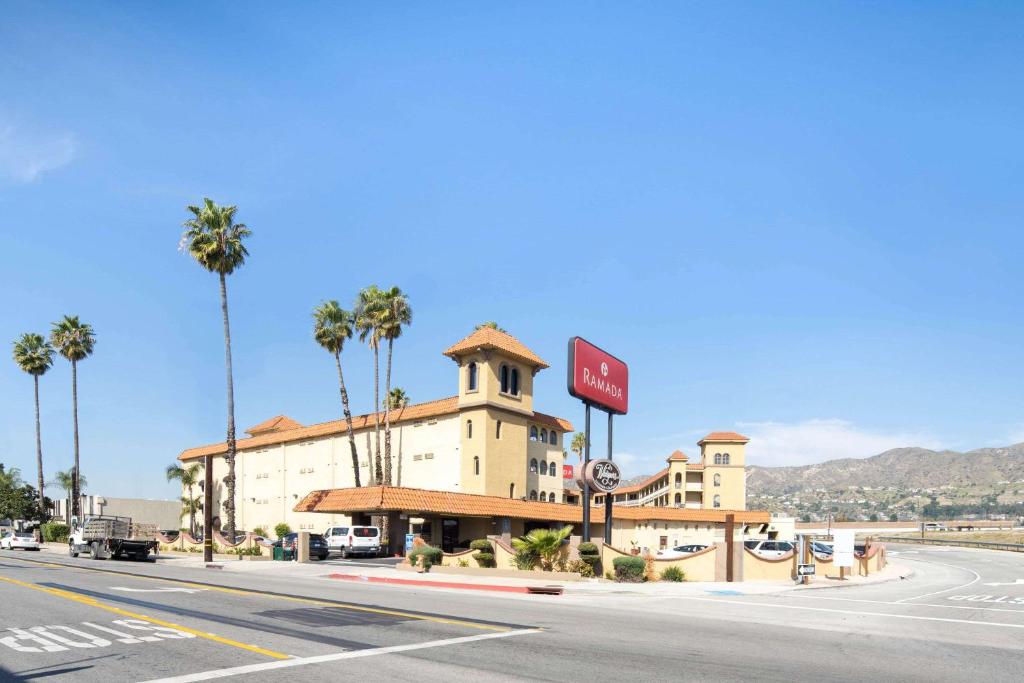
[798,221]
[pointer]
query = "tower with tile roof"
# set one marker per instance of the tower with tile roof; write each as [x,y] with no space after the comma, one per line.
[723,455]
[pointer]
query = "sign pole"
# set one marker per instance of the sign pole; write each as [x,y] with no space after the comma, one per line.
[608,497]
[586,486]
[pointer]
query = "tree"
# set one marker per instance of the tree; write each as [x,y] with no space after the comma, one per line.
[75,341]
[397,398]
[34,355]
[894,517]
[491,324]
[873,517]
[332,325]
[189,478]
[395,315]
[18,500]
[368,318]
[190,505]
[806,518]
[217,244]
[579,444]
[544,544]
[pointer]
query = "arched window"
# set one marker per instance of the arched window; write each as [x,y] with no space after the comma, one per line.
[543,466]
[533,465]
[551,497]
[503,377]
[554,438]
[718,479]
[543,496]
[679,479]
[533,433]
[469,429]
[725,458]
[471,384]
[514,382]
[543,436]
[718,458]
[497,430]
[533,495]
[512,490]
[476,464]
[679,499]
[717,502]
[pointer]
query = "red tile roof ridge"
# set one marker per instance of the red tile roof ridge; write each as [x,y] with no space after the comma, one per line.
[490,338]
[725,436]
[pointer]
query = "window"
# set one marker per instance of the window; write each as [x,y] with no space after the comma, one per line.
[512,490]
[497,430]
[533,433]
[514,382]
[503,377]
[471,384]
[533,495]
[679,480]
[476,464]
[718,479]
[718,458]
[533,465]
[417,457]
[428,456]
[469,429]
[544,436]
[543,496]
[725,458]
[551,497]
[717,502]
[679,499]
[554,438]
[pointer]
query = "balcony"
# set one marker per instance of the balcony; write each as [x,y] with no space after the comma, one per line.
[694,486]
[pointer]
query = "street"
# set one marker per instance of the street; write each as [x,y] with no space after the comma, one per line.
[959,617]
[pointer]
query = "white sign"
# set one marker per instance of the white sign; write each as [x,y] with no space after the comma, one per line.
[843,547]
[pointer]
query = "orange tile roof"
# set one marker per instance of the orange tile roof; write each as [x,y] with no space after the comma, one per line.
[490,338]
[694,466]
[371,499]
[724,436]
[419,411]
[677,455]
[274,424]
[646,482]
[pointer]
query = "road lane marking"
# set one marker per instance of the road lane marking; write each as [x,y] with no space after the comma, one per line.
[336,656]
[168,589]
[996,624]
[92,602]
[293,598]
[1011,583]
[908,604]
[977,578]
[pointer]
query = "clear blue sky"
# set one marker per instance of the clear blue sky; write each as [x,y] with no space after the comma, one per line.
[800,221]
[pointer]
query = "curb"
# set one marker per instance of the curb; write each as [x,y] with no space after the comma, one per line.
[908,573]
[445,584]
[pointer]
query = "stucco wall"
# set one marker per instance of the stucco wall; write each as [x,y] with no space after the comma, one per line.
[757,568]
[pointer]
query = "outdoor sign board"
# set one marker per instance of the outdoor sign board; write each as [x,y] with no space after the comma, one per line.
[843,547]
[805,570]
[597,377]
[602,475]
[568,472]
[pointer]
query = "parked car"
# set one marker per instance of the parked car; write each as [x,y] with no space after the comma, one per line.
[822,548]
[18,539]
[317,545]
[769,549]
[353,540]
[679,551]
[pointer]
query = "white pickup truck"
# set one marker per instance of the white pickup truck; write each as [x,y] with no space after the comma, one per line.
[353,540]
[108,536]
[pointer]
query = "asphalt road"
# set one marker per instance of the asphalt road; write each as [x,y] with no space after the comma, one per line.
[960,617]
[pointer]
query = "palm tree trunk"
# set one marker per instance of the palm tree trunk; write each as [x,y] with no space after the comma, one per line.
[39,457]
[387,415]
[348,420]
[191,513]
[229,457]
[76,492]
[376,410]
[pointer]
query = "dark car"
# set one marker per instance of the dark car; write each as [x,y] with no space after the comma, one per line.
[317,544]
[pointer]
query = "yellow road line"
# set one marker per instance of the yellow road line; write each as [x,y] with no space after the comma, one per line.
[291,598]
[85,600]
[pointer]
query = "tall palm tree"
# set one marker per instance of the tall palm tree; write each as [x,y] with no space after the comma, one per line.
[397,398]
[189,478]
[579,443]
[65,481]
[74,340]
[34,355]
[368,323]
[395,315]
[332,325]
[216,242]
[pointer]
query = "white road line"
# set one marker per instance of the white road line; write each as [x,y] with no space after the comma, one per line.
[336,656]
[914,604]
[997,624]
[977,578]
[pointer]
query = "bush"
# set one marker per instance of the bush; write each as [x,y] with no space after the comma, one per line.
[55,532]
[524,560]
[673,574]
[581,567]
[260,531]
[282,530]
[484,559]
[427,556]
[629,569]
[481,544]
[254,551]
[588,548]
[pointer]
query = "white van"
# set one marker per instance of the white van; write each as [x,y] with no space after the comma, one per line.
[353,540]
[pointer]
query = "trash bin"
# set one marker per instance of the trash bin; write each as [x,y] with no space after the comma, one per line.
[278,552]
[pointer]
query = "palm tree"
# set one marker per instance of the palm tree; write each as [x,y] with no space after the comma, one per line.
[332,325]
[368,323]
[75,341]
[545,544]
[34,355]
[216,242]
[190,505]
[579,444]
[491,324]
[395,313]
[397,398]
[65,481]
[189,478]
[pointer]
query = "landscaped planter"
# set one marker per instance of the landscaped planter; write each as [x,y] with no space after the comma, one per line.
[498,573]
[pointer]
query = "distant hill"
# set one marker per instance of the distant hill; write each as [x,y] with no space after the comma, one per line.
[905,468]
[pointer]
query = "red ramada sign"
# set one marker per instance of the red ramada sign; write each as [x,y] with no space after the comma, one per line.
[598,377]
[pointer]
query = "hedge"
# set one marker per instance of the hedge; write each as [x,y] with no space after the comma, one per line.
[55,532]
[481,544]
[484,559]
[629,569]
[429,554]
[588,548]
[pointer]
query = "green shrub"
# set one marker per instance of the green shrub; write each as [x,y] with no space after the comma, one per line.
[524,560]
[463,563]
[484,559]
[55,532]
[282,530]
[254,551]
[260,531]
[429,556]
[673,574]
[481,544]
[629,569]
[588,548]
[581,567]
